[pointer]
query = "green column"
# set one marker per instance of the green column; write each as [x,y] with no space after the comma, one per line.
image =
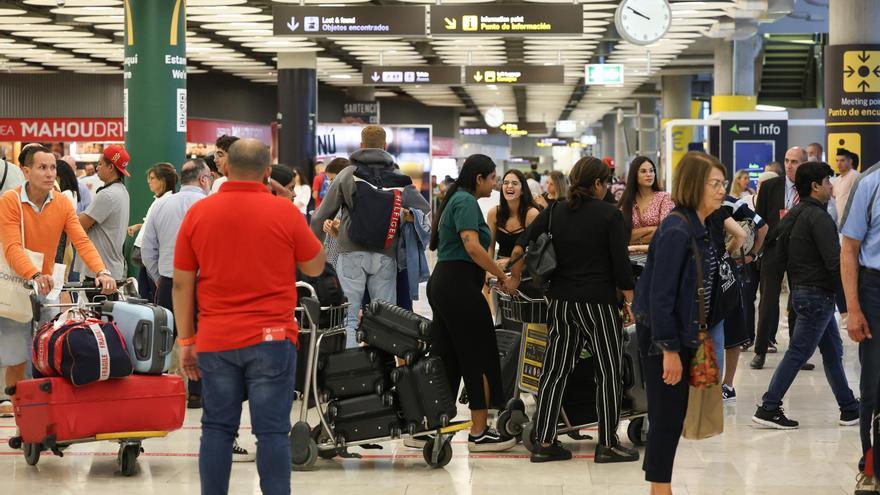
[155,91]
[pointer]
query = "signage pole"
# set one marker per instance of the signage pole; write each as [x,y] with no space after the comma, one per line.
[154,94]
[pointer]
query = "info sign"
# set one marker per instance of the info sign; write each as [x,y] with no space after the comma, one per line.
[503,19]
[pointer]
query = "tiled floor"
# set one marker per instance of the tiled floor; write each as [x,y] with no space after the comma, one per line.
[818,459]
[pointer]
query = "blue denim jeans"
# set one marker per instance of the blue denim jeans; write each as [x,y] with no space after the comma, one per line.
[869,354]
[264,374]
[359,271]
[815,327]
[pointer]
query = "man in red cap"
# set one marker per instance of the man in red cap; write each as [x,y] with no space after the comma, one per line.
[106,218]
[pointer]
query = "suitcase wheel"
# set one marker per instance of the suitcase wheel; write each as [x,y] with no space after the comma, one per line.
[10,391]
[395,376]
[636,432]
[14,443]
[128,455]
[409,357]
[379,387]
[442,458]
[32,453]
[528,437]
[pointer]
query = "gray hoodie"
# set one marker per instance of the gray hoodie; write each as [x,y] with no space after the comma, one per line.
[340,196]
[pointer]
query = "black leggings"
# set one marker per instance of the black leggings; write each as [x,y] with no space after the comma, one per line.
[463,334]
[667,406]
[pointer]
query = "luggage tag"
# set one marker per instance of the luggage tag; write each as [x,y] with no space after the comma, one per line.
[58,272]
[271,334]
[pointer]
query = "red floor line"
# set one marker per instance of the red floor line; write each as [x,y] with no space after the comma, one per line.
[363,456]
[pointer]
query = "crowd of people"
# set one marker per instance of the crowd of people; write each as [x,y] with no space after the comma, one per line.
[713,244]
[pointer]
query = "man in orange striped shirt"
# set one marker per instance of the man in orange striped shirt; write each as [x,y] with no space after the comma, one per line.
[44,220]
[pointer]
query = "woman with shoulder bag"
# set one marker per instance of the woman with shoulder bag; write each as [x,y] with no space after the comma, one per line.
[668,301]
[463,334]
[587,235]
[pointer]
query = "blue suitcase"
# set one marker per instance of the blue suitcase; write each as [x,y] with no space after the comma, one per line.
[148,330]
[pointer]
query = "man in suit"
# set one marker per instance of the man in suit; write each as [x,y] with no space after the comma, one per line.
[778,195]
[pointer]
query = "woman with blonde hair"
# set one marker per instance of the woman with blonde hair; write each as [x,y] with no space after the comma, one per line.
[740,189]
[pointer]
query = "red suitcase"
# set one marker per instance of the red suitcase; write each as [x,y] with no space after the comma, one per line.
[51,410]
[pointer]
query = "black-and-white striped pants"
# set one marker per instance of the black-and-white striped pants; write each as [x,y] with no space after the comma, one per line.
[574,325]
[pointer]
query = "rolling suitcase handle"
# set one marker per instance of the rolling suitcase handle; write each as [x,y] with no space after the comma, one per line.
[167,341]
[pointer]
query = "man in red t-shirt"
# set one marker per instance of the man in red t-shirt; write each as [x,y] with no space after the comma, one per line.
[243,246]
[318,183]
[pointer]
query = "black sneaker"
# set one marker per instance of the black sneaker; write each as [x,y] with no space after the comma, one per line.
[490,441]
[728,394]
[774,419]
[758,361]
[616,453]
[240,454]
[555,452]
[849,418]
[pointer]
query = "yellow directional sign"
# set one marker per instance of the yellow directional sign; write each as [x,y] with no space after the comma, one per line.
[861,71]
[851,141]
[490,76]
[450,23]
[478,76]
[470,23]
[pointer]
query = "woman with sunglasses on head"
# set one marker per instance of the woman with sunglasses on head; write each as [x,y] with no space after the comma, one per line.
[591,267]
[644,203]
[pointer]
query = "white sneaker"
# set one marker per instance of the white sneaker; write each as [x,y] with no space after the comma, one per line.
[240,454]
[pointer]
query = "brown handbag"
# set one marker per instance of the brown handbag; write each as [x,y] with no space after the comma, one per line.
[705,411]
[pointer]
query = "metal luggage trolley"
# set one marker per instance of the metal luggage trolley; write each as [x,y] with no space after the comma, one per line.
[307,443]
[532,313]
[129,442]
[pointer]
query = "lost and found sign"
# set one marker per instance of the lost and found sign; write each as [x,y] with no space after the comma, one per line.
[507,19]
[380,20]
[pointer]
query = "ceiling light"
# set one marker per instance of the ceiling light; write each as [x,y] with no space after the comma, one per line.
[769,108]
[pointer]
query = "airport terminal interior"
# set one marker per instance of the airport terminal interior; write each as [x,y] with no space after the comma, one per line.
[538,87]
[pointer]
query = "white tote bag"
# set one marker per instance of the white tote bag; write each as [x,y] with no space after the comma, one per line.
[15,297]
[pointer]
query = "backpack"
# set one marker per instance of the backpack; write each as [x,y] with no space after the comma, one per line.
[377,203]
[327,288]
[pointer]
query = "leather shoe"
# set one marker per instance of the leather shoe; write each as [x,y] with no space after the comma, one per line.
[758,361]
[808,367]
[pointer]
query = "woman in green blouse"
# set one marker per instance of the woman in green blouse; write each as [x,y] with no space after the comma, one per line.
[463,334]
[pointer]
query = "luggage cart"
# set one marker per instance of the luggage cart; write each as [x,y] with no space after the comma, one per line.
[532,313]
[129,442]
[307,443]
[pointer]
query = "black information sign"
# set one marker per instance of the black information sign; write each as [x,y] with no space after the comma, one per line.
[752,144]
[501,19]
[401,75]
[318,22]
[514,74]
[852,101]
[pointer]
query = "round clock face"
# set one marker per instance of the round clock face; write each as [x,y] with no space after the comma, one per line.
[494,116]
[643,22]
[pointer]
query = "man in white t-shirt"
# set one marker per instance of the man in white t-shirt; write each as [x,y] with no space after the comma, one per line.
[847,166]
[92,181]
[11,176]
[220,153]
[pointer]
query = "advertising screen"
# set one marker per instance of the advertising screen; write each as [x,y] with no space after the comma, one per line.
[409,145]
[752,156]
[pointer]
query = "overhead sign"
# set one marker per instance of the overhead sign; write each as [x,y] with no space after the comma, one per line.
[514,74]
[751,144]
[852,100]
[603,74]
[44,130]
[447,75]
[507,19]
[566,126]
[318,22]
[524,128]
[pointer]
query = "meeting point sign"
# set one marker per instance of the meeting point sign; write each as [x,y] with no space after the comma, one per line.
[45,130]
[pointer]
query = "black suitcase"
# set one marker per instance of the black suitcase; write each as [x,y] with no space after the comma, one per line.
[425,397]
[579,398]
[635,396]
[396,330]
[329,345]
[508,354]
[354,372]
[365,417]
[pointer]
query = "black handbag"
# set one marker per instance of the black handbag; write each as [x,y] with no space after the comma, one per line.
[541,255]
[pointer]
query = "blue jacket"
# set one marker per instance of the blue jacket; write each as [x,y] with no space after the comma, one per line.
[414,238]
[665,304]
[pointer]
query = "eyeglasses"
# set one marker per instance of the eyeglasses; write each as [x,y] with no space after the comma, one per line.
[718,184]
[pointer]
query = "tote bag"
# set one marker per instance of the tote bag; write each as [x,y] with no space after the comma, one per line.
[15,297]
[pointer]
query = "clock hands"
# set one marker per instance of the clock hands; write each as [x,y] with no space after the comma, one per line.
[636,12]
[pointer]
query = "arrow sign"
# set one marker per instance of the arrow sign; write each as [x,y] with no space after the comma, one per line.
[864,56]
[876,71]
[849,71]
[734,129]
[863,85]
[293,25]
[478,76]
[450,23]
[375,77]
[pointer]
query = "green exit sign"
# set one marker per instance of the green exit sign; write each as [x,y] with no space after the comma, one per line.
[604,74]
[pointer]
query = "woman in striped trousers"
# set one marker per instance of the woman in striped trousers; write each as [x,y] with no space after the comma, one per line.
[592,263]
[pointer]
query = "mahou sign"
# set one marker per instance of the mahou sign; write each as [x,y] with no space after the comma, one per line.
[61,130]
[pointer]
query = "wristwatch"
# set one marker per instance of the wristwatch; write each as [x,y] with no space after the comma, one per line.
[103,272]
